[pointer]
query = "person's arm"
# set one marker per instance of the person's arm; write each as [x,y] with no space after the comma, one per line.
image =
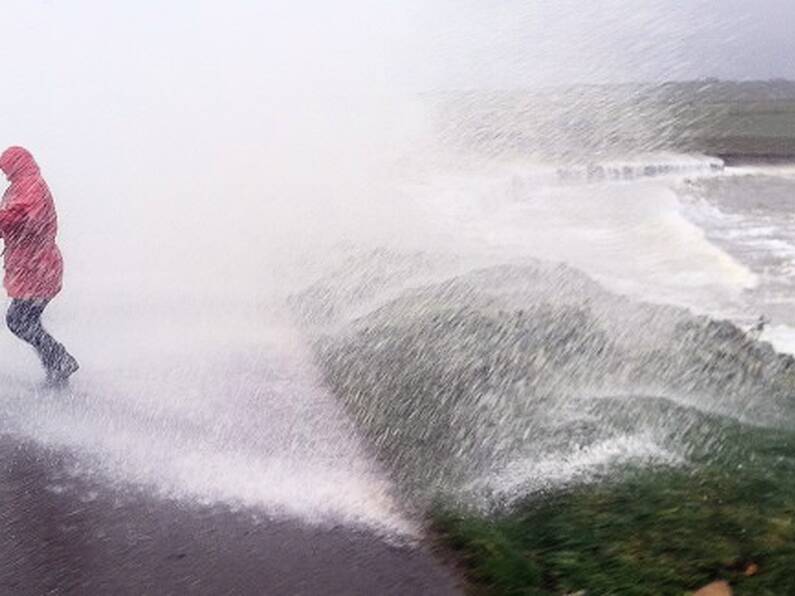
[12,215]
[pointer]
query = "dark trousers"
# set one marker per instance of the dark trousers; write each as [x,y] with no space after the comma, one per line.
[24,321]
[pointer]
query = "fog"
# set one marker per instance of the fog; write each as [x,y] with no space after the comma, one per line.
[187,144]
[208,158]
[195,148]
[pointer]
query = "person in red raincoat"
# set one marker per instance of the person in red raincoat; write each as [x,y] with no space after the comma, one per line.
[33,263]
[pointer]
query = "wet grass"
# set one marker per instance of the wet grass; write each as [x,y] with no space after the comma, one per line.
[652,532]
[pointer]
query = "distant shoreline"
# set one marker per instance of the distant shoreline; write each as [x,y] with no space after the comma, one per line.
[741,159]
[740,122]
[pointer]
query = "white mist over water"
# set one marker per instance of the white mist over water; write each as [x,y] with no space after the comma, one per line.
[207,159]
[634,237]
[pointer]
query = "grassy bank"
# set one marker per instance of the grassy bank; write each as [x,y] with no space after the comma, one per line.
[652,532]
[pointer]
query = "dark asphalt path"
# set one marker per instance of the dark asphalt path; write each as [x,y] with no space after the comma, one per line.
[71,537]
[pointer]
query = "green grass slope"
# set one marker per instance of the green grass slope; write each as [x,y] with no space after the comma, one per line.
[665,531]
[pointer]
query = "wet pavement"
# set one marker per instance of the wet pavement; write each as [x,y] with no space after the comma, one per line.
[72,537]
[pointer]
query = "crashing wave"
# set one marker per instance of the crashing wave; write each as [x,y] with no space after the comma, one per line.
[455,380]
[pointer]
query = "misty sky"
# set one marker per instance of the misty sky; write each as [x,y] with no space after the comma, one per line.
[124,84]
[192,120]
[234,72]
[84,54]
[89,42]
[753,39]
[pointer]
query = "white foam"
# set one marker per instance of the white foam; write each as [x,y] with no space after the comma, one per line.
[556,470]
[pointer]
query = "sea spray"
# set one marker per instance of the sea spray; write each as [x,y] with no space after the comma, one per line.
[456,380]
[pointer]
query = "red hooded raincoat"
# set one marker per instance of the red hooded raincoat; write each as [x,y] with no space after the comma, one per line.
[28,226]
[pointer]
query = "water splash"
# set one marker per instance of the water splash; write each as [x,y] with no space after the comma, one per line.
[226,166]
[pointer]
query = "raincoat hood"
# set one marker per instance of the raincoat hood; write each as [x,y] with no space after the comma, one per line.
[17,162]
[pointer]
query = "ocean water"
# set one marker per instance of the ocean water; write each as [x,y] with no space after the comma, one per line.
[747,213]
